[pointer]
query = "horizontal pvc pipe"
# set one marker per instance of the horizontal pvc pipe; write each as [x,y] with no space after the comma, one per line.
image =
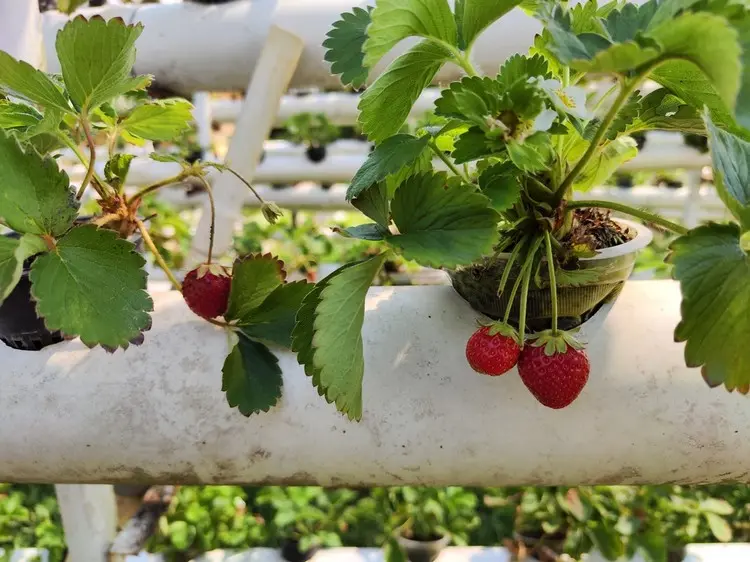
[189,47]
[340,108]
[156,413]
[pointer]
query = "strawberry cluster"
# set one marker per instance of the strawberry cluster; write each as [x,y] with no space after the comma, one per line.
[552,365]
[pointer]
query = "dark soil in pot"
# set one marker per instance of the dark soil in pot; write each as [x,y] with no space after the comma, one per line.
[426,550]
[478,283]
[291,552]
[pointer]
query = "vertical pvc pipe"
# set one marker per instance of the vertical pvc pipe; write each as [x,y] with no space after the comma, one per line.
[692,210]
[21,31]
[89,516]
[203,119]
[274,70]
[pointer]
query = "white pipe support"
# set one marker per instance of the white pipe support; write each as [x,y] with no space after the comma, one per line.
[21,31]
[274,70]
[89,517]
[203,121]
[156,413]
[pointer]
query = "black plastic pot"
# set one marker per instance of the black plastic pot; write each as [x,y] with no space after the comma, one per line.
[291,552]
[20,327]
[423,551]
[316,153]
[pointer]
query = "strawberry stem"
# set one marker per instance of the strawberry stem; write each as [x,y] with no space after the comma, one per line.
[526,265]
[552,280]
[525,289]
[212,228]
[509,264]
[157,256]
[154,186]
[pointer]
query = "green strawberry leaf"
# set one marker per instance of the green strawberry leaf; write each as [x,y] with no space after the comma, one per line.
[374,203]
[93,285]
[371,231]
[474,16]
[386,104]
[15,115]
[533,154]
[160,120]
[251,377]
[473,99]
[116,169]
[273,321]
[730,156]
[254,278]
[442,224]
[97,57]
[625,118]
[389,157]
[521,68]
[344,45]
[711,45]
[35,196]
[600,168]
[395,20]
[13,252]
[472,145]
[328,334]
[713,269]
[26,82]
[500,183]
[662,110]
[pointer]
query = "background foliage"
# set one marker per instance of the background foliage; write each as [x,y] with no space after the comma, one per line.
[232,517]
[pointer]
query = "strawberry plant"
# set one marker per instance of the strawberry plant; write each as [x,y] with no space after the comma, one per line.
[84,276]
[484,190]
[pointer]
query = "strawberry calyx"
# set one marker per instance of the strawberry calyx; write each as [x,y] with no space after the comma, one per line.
[555,341]
[213,268]
[501,328]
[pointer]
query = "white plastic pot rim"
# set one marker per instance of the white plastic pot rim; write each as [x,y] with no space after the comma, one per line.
[643,237]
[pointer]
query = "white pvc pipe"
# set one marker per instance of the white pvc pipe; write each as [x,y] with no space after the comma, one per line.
[89,516]
[190,47]
[156,413]
[270,80]
[20,31]
[340,108]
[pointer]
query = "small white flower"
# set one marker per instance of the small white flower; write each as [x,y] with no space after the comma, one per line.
[570,100]
[544,120]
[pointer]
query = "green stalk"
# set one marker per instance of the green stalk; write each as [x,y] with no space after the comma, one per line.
[527,265]
[552,280]
[632,211]
[509,264]
[525,290]
[627,89]
[434,147]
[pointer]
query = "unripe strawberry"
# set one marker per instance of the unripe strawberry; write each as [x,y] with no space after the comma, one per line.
[206,290]
[493,350]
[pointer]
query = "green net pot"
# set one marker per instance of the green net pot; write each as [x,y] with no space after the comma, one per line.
[478,284]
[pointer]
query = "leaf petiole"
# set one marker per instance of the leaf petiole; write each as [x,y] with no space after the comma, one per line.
[451,166]
[552,280]
[628,210]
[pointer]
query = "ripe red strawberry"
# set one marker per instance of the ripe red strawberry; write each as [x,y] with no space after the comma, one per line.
[206,290]
[493,350]
[555,369]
